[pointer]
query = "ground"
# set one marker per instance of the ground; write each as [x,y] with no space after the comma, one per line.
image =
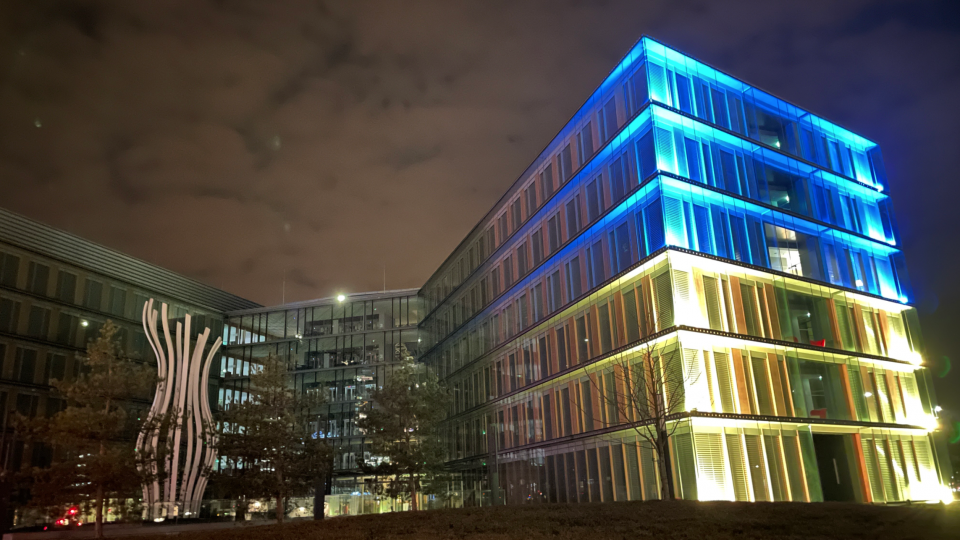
[659,520]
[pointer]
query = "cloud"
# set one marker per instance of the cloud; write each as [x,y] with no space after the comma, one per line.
[237,142]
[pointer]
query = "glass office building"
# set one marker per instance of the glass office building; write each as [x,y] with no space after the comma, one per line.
[683,211]
[680,214]
[56,291]
[340,349]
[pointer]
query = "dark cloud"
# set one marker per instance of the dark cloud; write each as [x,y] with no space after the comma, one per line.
[243,141]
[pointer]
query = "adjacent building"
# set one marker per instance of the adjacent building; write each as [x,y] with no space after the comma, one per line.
[56,291]
[743,246]
[341,348]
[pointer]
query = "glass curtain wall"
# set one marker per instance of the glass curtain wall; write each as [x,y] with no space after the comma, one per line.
[684,209]
[341,350]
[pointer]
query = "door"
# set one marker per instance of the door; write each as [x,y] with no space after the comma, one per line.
[835,475]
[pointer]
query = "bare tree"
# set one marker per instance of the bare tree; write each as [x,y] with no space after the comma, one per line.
[646,390]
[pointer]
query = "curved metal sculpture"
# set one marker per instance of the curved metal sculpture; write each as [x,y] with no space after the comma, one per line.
[182,397]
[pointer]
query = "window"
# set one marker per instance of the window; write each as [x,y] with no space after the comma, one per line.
[530,196]
[67,329]
[515,214]
[56,368]
[607,118]
[573,216]
[502,226]
[537,243]
[522,310]
[595,273]
[620,253]
[787,257]
[594,199]
[553,286]
[635,91]
[54,406]
[508,271]
[692,150]
[537,301]
[652,227]
[25,365]
[67,287]
[118,301]
[9,315]
[38,277]
[683,94]
[618,180]
[546,182]
[39,322]
[585,143]
[27,406]
[93,294]
[553,232]
[9,269]
[574,285]
[565,160]
[522,259]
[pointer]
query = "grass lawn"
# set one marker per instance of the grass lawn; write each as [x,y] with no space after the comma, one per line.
[655,520]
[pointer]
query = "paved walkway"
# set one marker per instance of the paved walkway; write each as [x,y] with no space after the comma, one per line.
[132,529]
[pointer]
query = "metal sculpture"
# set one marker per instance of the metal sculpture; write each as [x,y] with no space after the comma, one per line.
[182,398]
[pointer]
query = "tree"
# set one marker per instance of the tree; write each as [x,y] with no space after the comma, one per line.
[402,420]
[93,437]
[270,446]
[646,390]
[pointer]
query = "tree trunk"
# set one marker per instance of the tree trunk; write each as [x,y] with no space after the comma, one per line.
[241,513]
[666,471]
[414,502]
[98,524]
[319,497]
[281,509]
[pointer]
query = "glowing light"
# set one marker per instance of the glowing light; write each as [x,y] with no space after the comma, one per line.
[903,299]
[946,494]
[929,423]
[341,298]
[84,324]
[914,358]
[937,409]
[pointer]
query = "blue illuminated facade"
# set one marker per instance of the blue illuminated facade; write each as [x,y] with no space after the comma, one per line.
[683,214]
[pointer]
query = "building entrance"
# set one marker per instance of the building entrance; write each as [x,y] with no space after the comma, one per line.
[835,475]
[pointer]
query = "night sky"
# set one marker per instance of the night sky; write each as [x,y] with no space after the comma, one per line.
[238,142]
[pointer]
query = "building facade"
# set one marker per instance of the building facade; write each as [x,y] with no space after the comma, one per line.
[744,246]
[341,349]
[56,292]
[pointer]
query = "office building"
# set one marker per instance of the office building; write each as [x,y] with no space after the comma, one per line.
[741,248]
[56,291]
[341,348]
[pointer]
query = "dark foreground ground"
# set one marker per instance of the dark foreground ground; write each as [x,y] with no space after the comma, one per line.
[655,520]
